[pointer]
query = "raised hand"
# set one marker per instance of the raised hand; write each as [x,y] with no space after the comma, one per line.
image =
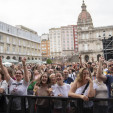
[80,56]
[89,79]
[50,91]
[101,59]
[92,59]
[24,60]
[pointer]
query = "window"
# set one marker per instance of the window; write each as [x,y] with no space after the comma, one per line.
[14,41]
[97,35]
[14,49]
[7,39]
[19,49]
[98,47]
[8,48]
[71,47]
[1,48]
[83,36]
[76,42]
[1,38]
[85,47]
[19,42]
[87,36]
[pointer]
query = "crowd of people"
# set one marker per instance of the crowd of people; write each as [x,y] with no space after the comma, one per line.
[82,80]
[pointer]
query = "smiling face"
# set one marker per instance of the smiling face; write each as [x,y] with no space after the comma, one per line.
[44,79]
[65,74]
[19,75]
[29,74]
[53,78]
[59,78]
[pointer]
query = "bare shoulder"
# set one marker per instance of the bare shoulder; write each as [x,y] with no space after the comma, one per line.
[74,86]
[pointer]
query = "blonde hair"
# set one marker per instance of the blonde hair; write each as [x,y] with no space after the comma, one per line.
[80,74]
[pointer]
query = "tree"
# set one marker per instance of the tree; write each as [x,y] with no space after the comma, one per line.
[49,61]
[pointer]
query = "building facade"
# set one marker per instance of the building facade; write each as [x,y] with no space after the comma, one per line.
[17,42]
[63,41]
[45,46]
[55,42]
[69,40]
[90,37]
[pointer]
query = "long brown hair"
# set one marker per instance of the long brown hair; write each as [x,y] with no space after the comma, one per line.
[39,83]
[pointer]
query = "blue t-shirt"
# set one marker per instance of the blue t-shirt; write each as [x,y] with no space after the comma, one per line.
[108,82]
[68,80]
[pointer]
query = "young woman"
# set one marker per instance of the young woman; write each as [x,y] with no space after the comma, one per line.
[101,91]
[60,89]
[52,79]
[18,86]
[83,78]
[42,89]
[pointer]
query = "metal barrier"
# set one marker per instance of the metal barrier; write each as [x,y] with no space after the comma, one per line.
[77,104]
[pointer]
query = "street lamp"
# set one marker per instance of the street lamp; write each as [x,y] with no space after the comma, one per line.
[105,44]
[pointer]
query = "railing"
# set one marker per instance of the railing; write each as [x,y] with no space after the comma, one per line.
[65,100]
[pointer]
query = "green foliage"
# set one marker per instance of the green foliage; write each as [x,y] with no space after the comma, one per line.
[49,61]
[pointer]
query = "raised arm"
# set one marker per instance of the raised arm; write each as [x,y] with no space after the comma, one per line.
[92,60]
[26,76]
[80,58]
[99,71]
[4,70]
[91,90]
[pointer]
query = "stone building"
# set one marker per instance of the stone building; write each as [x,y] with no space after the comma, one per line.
[90,37]
[19,41]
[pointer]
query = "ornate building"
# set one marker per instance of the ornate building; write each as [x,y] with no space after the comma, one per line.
[90,37]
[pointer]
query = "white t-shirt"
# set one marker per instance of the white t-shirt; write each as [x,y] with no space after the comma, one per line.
[64,89]
[18,88]
[4,85]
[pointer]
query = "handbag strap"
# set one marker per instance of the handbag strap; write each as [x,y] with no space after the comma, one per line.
[85,88]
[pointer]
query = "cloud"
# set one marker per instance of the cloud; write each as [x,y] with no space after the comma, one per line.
[41,15]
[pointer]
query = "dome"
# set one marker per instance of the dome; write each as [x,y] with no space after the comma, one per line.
[84,17]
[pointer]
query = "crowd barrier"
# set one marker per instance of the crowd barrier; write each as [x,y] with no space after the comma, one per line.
[76,104]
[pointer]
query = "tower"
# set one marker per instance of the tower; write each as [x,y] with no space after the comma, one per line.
[84,19]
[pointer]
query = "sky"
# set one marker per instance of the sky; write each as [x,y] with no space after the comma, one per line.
[42,15]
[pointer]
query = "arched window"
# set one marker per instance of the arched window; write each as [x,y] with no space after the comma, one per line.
[8,57]
[14,57]
[28,58]
[19,59]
